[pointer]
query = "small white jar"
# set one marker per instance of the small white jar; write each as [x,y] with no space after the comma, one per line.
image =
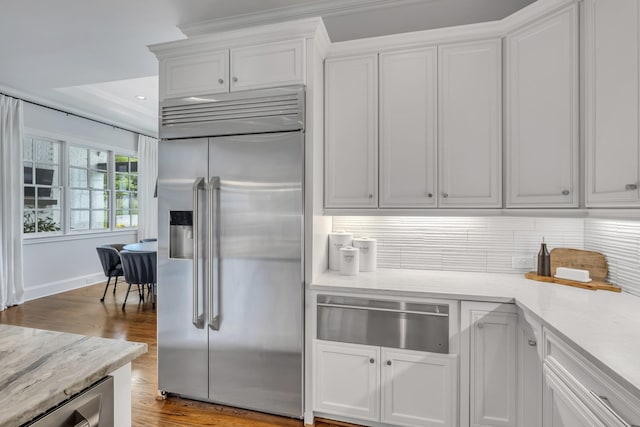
[368,253]
[349,261]
[337,240]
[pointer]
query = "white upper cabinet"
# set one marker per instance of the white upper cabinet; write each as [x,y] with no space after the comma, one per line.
[469,125]
[267,65]
[542,114]
[195,74]
[612,103]
[351,132]
[408,128]
[257,66]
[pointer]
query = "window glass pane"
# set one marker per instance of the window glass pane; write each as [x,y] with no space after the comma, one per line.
[47,175]
[99,200]
[49,197]
[134,164]
[122,200]
[98,180]
[29,197]
[99,219]
[122,163]
[79,220]
[27,150]
[133,182]
[122,181]
[134,218]
[78,157]
[29,221]
[123,219]
[48,220]
[28,173]
[47,152]
[79,199]
[98,160]
[78,178]
[133,200]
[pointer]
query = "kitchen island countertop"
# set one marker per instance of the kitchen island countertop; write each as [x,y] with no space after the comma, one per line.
[40,369]
[603,326]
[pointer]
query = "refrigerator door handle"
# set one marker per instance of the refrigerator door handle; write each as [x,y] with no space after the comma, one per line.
[213,242]
[197,319]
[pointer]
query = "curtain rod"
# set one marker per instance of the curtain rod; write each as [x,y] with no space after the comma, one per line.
[77,115]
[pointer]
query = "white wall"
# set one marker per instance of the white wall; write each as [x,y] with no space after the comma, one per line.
[57,264]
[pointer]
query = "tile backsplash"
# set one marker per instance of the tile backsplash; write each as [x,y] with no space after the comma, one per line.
[487,244]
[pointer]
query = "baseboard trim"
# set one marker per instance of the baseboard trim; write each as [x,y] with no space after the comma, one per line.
[51,288]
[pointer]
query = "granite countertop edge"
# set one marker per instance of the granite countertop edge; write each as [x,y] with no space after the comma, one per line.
[29,395]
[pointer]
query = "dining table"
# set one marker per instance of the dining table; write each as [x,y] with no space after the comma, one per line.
[142,247]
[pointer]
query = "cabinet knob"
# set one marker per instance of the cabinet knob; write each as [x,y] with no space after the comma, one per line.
[370,196]
[533,343]
[480,325]
[388,362]
[221,81]
[445,195]
[565,192]
[631,187]
[372,360]
[429,195]
[235,79]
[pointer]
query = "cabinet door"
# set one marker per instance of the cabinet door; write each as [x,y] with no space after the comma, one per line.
[612,111]
[408,94]
[351,132]
[563,408]
[488,365]
[346,378]
[268,65]
[543,113]
[529,372]
[469,127]
[199,74]
[418,389]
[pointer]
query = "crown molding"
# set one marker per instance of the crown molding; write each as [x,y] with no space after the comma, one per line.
[302,28]
[271,16]
[532,12]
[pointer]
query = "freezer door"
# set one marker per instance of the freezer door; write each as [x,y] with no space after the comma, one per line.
[256,341]
[182,334]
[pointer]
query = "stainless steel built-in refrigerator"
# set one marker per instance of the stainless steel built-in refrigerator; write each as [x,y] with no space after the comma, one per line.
[230,249]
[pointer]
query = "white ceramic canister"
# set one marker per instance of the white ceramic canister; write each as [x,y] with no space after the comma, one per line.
[349,261]
[368,252]
[337,240]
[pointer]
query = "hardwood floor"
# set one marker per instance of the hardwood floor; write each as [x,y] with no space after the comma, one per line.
[81,312]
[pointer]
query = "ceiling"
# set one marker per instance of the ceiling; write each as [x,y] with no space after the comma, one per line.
[90,57]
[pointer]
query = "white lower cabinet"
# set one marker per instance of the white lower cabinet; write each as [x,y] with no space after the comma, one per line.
[488,365]
[392,386]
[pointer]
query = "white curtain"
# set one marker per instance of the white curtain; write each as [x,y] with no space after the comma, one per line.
[147,178]
[11,175]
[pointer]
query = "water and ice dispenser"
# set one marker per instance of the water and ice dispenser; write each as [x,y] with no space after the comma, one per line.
[180,234]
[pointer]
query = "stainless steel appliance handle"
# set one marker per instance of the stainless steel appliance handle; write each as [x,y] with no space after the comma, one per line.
[391,310]
[197,319]
[213,242]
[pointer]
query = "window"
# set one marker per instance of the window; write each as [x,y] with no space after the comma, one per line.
[72,188]
[126,191]
[88,189]
[42,186]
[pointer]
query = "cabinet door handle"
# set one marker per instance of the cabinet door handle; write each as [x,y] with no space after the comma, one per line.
[235,79]
[604,401]
[388,362]
[533,343]
[370,196]
[429,195]
[445,195]
[629,187]
[221,81]
[565,192]
[372,360]
[480,325]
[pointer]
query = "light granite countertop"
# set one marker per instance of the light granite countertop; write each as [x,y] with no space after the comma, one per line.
[40,369]
[604,326]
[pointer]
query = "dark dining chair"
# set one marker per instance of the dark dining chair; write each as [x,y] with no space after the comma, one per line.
[140,269]
[110,260]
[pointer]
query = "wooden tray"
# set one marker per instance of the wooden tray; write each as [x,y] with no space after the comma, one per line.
[592,285]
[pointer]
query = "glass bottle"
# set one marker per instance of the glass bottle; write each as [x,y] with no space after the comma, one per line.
[544,261]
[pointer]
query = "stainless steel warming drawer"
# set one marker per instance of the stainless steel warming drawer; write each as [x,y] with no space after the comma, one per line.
[393,324]
[91,408]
